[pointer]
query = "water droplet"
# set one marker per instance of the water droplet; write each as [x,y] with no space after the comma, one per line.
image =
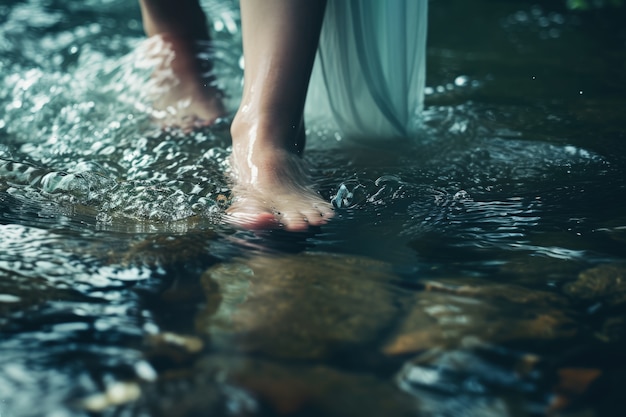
[461,81]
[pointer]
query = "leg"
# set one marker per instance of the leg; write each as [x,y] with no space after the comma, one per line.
[188,98]
[280,39]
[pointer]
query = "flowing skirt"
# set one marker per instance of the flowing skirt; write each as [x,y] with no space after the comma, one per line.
[369,73]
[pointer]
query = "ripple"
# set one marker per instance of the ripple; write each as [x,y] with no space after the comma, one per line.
[472,375]
[53,294]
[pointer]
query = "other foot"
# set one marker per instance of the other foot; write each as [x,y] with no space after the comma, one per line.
[182,93]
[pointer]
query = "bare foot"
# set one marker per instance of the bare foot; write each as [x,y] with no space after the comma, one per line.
[272,189]
[183,93]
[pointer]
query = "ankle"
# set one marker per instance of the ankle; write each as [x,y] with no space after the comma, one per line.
[267,133]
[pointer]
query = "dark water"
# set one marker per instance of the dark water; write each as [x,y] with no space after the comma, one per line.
[477,271]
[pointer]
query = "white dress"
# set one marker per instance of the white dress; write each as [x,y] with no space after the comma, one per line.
[369,73]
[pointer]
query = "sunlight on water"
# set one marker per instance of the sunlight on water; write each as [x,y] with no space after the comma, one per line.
[35,254]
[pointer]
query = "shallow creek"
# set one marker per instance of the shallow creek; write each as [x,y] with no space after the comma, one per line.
[478,270]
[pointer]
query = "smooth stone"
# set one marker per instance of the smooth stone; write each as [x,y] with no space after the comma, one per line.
[309,305]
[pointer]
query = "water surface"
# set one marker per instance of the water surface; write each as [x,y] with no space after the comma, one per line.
[477,270]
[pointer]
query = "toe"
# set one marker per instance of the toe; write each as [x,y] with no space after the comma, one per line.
[249,221]
[326,210]
[249,216]
[315,217]
[294,222]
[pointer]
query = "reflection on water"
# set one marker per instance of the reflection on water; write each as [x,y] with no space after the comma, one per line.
[478,270]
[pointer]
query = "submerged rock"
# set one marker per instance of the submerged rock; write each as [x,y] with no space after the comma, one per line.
[612,329]
[319,390]
[230,385]
[297,306]
[116,394]
[529,271]
[169,340]
[450,310]
[164,249]
[604,283]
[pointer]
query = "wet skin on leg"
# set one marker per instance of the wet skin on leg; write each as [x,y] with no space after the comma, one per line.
[271,185]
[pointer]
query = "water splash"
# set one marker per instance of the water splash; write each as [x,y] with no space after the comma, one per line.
[77,128]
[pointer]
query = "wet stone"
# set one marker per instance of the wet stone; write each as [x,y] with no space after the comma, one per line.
[181,396]
[309,305]
[116,394]
[523,270]
[250,386]
[612,329]
[604,283]
[189,344]
[487,289]
[325,390]
[448,311]
[171,353]
[164,249]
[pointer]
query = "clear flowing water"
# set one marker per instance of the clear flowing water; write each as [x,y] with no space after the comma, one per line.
[478,270]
